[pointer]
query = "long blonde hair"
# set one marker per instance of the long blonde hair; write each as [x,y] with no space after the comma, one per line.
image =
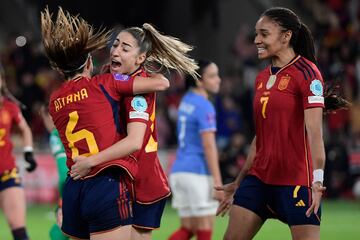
[165,50]
[69,39]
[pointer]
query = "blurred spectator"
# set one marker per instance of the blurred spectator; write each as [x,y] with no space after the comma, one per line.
[233,157]
[336,177]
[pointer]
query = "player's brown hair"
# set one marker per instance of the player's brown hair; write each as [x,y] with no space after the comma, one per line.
[167,51]
[68,40]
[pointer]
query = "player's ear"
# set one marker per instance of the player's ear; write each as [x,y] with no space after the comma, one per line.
[286,36]
[141,58]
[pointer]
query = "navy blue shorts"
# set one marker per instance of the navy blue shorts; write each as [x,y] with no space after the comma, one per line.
[286,203]
[148,216]
[10,178]
[96,204]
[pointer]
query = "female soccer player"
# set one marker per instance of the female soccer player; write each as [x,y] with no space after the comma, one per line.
[85,112]
[12,196]
[134,52]
[196,168]
[283,175]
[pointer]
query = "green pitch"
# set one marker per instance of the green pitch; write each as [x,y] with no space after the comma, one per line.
[341,220]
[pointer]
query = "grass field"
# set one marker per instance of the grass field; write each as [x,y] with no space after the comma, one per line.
[341,220]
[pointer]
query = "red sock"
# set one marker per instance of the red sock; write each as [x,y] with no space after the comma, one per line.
[181,234]
[203,234]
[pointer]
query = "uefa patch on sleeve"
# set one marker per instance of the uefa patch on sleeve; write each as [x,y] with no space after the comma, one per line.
[316,99]
[139,104]
[120,77]
[316,87]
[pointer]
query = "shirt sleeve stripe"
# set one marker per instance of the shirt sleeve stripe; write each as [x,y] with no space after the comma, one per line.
[309,67]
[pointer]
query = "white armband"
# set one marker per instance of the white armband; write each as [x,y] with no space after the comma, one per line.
[318,176]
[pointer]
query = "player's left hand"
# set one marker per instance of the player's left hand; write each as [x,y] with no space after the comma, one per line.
[317,191]
[29,158]
[81,167]
[225,204]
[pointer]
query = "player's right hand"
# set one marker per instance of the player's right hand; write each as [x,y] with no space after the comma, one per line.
[81,167]
[317,191]
[229,191]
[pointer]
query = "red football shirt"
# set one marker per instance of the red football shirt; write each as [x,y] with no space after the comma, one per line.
[282,149]
[86,114]
[9,114]
[151,182]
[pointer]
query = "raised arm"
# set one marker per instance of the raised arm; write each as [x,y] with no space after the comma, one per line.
[154,83]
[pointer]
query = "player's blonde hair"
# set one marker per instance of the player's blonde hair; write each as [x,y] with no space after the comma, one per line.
[68,40]
[167,51]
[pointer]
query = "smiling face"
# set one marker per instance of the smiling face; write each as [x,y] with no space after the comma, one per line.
[125,56]
[210,79]
[270,38]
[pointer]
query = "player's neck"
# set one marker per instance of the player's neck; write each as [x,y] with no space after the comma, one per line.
[283,58]
[201,92]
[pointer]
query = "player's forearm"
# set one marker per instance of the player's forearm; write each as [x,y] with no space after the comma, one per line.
[120,149]
[212,159]
[317,149]
[156,82]
[27,137]
[313,123]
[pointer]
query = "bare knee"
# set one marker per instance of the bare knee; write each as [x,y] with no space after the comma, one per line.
[305,232]
[140,234]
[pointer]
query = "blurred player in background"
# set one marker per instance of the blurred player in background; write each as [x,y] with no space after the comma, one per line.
[58,151]
[85,112]
[12,196]
[196,168]
[283,175]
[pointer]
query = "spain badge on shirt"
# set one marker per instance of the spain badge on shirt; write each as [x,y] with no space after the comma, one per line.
[284,81]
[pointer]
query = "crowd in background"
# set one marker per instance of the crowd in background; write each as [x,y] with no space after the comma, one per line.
[335,26]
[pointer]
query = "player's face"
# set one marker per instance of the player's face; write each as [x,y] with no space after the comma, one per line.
[211,79]
[124,54]
[268,38]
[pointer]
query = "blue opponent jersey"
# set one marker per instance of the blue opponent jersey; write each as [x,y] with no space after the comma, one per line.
[196,115]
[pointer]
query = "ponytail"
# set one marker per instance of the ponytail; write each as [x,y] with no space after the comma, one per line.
[167,51]
[304,44]
[333,100]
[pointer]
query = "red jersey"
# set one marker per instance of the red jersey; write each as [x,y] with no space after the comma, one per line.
[86,114]
[9,114]
[282,148]
[151,182]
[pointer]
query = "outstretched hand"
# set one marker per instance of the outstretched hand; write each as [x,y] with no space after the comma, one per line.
[317,191]
[81,167]
[229,191]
